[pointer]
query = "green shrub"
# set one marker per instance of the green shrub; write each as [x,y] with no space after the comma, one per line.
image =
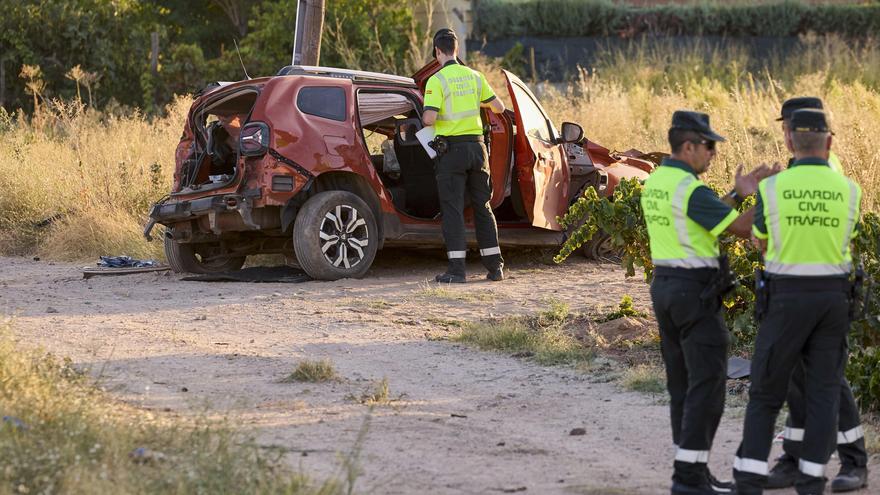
[621,216]
[625,308]
[863,373]
[512,18]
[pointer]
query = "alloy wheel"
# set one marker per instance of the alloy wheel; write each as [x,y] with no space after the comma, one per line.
[344,235]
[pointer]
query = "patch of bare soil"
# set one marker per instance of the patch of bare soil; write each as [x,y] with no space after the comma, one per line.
[455,420]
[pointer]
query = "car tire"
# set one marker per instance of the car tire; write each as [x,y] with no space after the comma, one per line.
[599,248]
[184,258]
[335,236]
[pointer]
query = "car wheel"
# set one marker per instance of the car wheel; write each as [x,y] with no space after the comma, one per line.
[335,236]
[185,257]
[600,248]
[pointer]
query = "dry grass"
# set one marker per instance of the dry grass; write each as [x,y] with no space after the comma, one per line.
[97,173]
[644,378]
[628,102]
[64,435]
[312,371]
[453,292]
[545,337]
[377,394]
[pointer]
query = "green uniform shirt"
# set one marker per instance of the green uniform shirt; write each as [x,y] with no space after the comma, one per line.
[684,217]
[456,92]
[808,214]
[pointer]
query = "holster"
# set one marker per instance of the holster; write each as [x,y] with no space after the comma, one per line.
[440,144]
[722,283]
[762,294]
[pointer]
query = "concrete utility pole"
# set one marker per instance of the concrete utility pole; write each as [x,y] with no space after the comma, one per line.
[307,37]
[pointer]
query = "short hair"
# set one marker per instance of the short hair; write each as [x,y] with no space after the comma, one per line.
[809,142]
[677,138]
[446,44]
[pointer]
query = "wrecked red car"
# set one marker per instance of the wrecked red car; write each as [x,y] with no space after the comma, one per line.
[323,164]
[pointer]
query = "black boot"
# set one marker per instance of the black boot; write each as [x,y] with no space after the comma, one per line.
[454,274]
[494,263]
[718,485]
[496,275]
[850,478]
[783,474]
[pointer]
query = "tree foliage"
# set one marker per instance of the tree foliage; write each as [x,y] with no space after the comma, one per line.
[112,39]
[513,18]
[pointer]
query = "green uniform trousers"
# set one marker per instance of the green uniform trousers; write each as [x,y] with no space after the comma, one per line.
[464,171]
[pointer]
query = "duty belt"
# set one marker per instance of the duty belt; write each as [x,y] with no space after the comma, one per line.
[696,274]
[820,284]
[470,138]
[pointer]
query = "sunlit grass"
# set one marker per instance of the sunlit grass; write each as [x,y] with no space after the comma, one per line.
[542,337]
[644,378]
[62,434]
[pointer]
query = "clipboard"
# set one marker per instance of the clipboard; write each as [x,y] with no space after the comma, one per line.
[425,136]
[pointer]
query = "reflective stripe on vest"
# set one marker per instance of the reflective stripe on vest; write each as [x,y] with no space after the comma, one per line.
[676,240]
[810,211]
[468,86]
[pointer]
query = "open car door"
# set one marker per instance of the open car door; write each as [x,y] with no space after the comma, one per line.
[541,171]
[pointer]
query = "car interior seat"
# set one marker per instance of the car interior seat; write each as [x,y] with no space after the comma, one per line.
[416,170]
[222,156]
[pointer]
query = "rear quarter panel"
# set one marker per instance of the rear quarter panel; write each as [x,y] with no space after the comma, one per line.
[317,144]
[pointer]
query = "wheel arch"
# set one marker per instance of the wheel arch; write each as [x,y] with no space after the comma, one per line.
[334,181]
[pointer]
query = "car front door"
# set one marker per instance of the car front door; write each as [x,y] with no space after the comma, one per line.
[541,169]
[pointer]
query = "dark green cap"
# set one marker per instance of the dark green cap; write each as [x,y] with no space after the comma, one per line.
[808,120]
[695,121]
[792,104]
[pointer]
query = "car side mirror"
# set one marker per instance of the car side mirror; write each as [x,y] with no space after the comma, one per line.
[254,139]
[571,132]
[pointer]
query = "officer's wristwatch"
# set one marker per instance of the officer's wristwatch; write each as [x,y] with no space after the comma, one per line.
[735,197]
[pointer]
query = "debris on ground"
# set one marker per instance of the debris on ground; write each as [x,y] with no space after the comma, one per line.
[125,262]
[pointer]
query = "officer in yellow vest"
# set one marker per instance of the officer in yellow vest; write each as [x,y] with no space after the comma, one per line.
[805,219]
[850,436]
[684,219]
[453,98]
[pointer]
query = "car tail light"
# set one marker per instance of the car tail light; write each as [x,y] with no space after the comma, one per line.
[254,139]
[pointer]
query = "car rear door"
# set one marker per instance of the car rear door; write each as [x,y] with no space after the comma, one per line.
[542,172]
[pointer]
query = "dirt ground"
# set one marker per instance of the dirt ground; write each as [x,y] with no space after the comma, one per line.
[463,421]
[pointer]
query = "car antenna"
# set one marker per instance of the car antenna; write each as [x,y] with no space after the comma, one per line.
[240,60]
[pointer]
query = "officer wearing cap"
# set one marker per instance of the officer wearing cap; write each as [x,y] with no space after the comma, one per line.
[453,98]
[684,219]
[805,219]
[850,436]
[797,103]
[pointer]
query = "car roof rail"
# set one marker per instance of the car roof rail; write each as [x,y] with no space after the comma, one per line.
[355,75]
